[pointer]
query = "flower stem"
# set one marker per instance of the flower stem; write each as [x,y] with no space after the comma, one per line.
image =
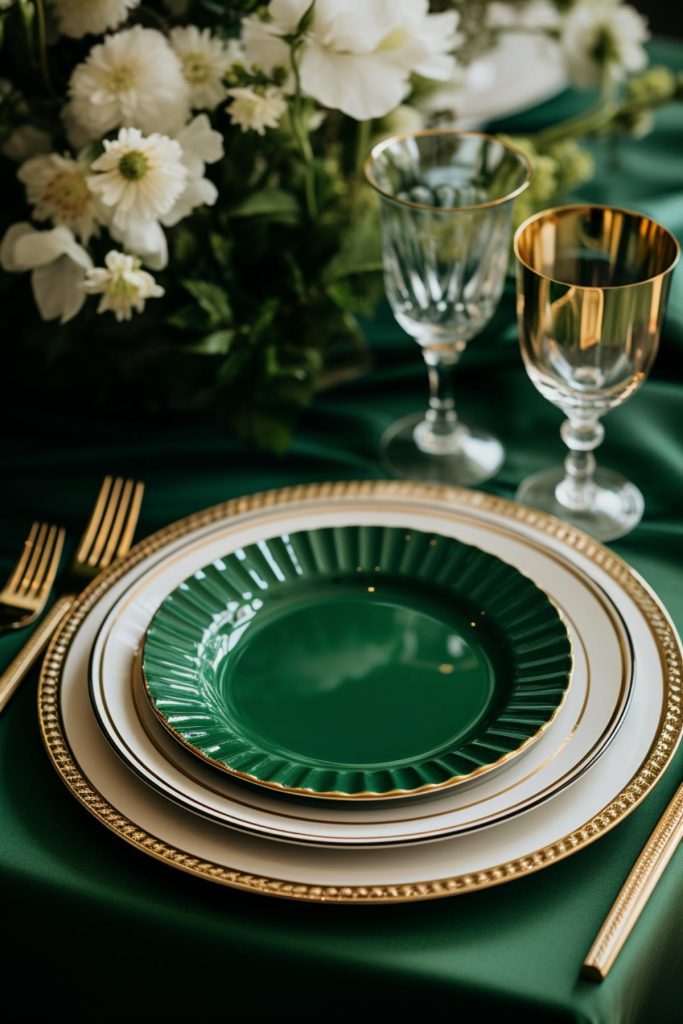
[42,45]
[302,136]
[363,136]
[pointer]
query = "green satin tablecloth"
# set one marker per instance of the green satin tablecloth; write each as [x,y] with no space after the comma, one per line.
[108,934]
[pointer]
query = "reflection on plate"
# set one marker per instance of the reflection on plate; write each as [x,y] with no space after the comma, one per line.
[357,661]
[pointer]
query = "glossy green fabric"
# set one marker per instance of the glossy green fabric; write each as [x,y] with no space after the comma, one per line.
[108,934]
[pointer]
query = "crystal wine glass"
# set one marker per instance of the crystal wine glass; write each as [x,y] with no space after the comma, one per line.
[592,284]
[446,208]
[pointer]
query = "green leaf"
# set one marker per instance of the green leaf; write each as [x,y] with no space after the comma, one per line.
[218,343]
[221,247]
[264,319]
[306,19]
[274,203]
[28,13]
[188,318]
[360,252]
[212,299]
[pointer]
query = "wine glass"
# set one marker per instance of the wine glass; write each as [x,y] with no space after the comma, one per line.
[446,209]
[592,284]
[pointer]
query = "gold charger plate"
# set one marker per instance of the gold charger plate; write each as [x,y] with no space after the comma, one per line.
[650,769]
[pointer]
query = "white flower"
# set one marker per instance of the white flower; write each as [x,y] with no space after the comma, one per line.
[357,57]
[124,287]
[200,145]
[77,18]
[26,141]
[603,37]
[205,60]
[138,177]
[58,189]
[144,238]
[256,110]
[133,78]
[59,265]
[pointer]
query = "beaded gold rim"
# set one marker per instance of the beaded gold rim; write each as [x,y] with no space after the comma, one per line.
[649,773]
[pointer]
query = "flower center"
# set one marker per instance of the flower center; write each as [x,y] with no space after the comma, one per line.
[133,165]
[121,78]
[394,40]
[68,192]
[122,290]
[605,49]
[196,68]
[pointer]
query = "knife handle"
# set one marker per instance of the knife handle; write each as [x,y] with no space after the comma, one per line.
[636,890]
[34,646]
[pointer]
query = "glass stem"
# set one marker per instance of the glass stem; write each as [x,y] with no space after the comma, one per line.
[439,431]
[581,437]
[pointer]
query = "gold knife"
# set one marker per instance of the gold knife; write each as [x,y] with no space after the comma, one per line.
[636,891]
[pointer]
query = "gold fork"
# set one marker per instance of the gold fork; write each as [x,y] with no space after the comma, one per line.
[24,595]
[108,536]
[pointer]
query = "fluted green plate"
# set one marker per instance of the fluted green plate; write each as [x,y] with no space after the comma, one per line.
[357,662]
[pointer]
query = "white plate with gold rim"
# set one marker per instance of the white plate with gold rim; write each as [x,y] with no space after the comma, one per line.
[625,773]
[583,727]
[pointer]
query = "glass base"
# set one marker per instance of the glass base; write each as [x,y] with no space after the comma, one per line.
[467,457]
[616,506]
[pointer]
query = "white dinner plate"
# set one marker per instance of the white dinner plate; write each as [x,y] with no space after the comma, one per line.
[587,721]
[618,780]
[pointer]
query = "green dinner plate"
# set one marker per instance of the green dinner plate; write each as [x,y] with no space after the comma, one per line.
[357,662]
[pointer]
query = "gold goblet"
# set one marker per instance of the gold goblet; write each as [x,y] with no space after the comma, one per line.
[592,284]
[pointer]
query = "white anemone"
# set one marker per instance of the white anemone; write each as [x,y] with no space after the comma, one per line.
[603,38]
[357,58]
[58,264]
[57,188]
[138,177]
[123,285]
[256,109]
[200,145]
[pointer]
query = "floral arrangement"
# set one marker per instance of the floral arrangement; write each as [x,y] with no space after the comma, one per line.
[183,178]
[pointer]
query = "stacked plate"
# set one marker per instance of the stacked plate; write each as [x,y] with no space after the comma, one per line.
[363,692]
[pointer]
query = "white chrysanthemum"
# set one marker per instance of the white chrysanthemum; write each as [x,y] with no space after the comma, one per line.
[255,110]
[357,58]
[77,18]
[205,60]
[123,285]
[138,177]
[57,188]
[603,37]
[133,78]
[58,264]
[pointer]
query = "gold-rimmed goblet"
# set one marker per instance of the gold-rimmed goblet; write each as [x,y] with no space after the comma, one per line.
[592,285]
[446,209]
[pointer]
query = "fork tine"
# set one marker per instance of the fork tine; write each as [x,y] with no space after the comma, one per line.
[13,582]
[117,526]
[47,570]
[132,521]
[108,519]
[95,520]
[34,560]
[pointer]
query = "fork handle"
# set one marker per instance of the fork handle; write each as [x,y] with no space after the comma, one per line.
[34,646]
